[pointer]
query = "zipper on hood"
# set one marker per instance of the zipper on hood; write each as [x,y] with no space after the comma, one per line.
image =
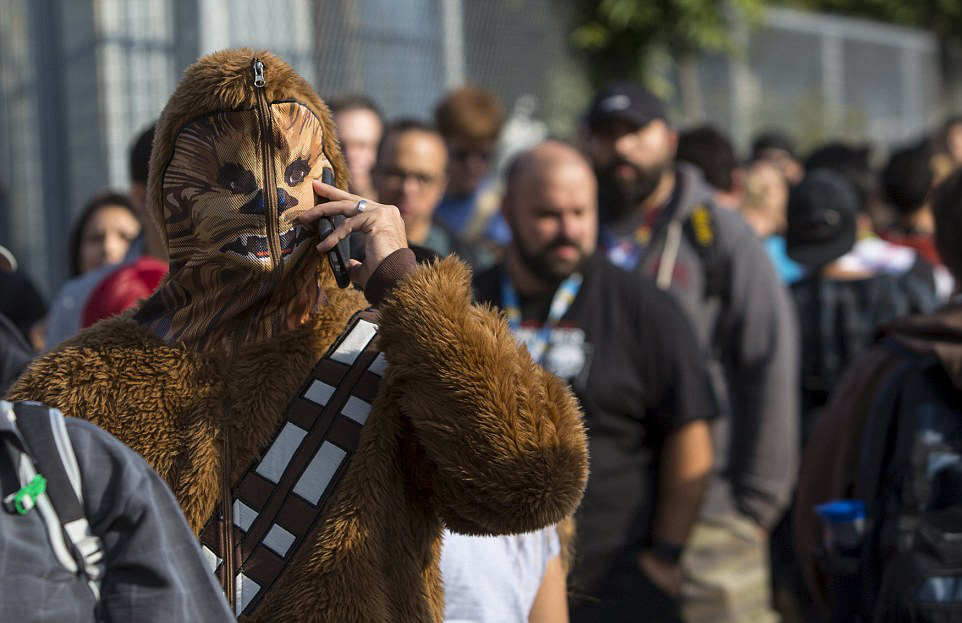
[265,122]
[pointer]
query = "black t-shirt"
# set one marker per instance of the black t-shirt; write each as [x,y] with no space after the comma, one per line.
[632,359]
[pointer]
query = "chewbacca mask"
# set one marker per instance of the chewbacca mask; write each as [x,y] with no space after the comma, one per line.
[236,149]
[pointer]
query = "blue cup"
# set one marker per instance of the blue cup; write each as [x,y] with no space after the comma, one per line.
[843,522]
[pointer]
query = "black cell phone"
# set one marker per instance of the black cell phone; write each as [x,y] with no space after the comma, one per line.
[339,255]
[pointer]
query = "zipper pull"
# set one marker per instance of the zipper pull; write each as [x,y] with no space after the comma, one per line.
[259,80]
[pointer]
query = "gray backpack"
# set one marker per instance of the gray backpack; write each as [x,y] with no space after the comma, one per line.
[50,481]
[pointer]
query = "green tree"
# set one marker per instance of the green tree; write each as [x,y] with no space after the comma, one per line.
[645,39]
[627,38]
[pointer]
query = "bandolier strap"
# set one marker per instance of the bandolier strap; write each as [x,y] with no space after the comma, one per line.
[280,499]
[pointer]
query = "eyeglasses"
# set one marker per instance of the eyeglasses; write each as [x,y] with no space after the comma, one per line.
[397,177]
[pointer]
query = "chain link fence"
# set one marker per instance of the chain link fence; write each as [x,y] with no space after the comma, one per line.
[82,78]
[819,78]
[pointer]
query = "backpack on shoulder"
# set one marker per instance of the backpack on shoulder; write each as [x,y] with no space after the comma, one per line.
[50,480]
[909,565]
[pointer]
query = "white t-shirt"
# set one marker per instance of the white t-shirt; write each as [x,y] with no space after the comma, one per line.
[494,579]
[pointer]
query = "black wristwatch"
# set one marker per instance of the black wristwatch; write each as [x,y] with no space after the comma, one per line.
[666,551]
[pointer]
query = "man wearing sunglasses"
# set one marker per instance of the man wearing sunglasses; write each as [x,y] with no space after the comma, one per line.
[470,120]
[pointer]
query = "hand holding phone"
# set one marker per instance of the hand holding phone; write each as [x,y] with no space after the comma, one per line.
[346,213]
[339,255]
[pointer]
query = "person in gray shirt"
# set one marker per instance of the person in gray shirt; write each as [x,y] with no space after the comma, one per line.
[660,218]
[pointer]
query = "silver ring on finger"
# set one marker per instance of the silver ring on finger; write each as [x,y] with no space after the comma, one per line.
[361,205]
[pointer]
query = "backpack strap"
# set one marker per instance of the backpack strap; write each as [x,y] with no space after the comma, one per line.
[880,437]
[701,230]
[47,456]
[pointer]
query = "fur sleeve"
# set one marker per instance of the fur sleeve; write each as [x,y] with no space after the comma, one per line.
[506,448]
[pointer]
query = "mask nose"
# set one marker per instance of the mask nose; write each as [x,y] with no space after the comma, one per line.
[284,200]
[256,204]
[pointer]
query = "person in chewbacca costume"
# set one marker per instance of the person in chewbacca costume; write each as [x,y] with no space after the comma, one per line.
[440,420]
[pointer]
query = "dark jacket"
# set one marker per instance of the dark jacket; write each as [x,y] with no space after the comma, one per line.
[838,320]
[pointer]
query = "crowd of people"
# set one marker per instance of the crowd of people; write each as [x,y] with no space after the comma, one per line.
[605,379]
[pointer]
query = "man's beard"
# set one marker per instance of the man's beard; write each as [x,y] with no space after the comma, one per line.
[540,264]
[618,196]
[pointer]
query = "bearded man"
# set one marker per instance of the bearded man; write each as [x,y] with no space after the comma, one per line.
[634,363]
[316,450]
[659,219]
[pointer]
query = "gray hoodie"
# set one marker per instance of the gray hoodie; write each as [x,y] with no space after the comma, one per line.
[744,319]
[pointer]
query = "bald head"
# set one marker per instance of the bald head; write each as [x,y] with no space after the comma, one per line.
[543,160]
[551,205]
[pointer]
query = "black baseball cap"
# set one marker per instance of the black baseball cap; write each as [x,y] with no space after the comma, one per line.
[822,213]
[625,100]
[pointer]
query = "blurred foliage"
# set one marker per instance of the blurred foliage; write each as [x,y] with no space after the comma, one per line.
[620,37]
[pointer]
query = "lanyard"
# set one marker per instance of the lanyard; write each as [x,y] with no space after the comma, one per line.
[626,251]
[560,304]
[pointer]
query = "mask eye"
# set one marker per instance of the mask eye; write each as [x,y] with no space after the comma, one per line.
[236,179]
[296,172]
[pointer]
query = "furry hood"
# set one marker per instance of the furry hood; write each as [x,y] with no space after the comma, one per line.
[234,154]
[220,82]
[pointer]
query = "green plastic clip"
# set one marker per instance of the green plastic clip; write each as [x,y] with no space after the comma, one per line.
[33,490]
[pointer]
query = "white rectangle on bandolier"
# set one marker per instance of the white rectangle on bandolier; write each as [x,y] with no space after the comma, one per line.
[279,540]
[319,392]
[274,463]
[246,590]
[357,410]
[244,515]
[379,366]
[212,559]
[313,482]
[355,342]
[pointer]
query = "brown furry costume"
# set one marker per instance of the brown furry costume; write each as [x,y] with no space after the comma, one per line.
[465,431]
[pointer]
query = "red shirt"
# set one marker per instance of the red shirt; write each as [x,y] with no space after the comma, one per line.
[924,243]
[123,287]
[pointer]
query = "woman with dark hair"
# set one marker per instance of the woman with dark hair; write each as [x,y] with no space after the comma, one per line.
[101,238]
[103,233]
